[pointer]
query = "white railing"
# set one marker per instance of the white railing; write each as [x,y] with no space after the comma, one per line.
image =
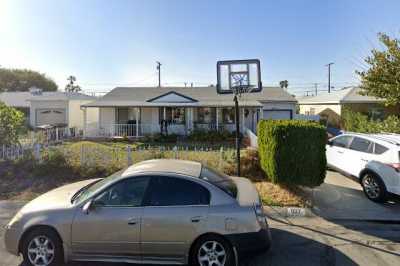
[252,137]
[144,129]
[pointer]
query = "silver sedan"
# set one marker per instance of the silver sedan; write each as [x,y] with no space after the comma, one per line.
[157,211]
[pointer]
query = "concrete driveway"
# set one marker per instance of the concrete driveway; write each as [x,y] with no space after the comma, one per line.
[343,198]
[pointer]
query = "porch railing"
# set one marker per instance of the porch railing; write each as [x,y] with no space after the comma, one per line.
[143,129]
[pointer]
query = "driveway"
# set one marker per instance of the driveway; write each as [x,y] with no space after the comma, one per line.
[301,241]
[343,198]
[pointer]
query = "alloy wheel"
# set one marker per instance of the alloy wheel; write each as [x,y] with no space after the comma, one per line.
[212,253]
[41,251]
[371,187]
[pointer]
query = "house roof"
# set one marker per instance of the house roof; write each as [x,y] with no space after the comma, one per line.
[16,99]
[22,98]
[60,96]
[201,96]
[345,95]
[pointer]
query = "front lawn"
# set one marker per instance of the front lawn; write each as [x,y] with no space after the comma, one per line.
[74,161]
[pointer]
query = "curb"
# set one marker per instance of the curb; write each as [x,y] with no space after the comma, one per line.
[288,212]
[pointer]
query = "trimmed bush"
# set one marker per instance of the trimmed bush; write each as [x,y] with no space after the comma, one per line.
[292,152]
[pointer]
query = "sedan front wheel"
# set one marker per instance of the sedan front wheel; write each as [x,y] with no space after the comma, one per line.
[42,247]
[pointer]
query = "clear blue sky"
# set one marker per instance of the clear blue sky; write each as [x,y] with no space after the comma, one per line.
[109,43]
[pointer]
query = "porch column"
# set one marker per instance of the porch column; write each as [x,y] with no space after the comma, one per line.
[217,118]
[165,113]
[261,113]
[84,122]
[137,120]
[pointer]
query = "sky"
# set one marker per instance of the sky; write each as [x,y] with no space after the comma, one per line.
[117,43]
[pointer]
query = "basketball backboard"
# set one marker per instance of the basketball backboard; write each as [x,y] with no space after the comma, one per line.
[239,74]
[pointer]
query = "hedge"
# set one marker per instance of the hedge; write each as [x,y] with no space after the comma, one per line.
[292,152]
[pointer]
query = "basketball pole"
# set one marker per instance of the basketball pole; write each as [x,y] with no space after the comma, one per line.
[235,99]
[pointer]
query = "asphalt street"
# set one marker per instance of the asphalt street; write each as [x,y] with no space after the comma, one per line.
[297,241]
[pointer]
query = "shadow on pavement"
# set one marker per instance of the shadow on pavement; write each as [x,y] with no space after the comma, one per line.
[293,249]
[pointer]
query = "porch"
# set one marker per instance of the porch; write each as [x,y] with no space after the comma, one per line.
[144,121]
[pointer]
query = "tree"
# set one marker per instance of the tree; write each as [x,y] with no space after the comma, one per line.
[23,79]
[284,84]
[11,120]
[71,86]
[382,79]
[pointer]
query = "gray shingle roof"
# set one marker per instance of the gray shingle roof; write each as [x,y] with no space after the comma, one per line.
[205,96]
[22,98]
[345,95]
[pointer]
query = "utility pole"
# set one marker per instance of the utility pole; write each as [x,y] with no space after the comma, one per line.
[329,76]
[316,88]
[159,73]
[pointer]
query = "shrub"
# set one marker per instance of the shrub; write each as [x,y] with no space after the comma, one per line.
[292,152]
[211,136]
[358,122]
[11,121]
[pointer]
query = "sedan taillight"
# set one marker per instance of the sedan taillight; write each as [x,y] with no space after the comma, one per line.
[396,166]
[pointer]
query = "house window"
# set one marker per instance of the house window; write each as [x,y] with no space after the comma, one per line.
[205,115]
[228,115]
[376,113]
[173,115]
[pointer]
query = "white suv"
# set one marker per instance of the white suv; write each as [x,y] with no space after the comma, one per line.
[373,158]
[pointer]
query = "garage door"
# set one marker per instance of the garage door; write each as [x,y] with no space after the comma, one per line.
[50,117]
[277,114]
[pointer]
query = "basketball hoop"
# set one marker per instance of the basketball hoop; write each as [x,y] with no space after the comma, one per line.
[238,77]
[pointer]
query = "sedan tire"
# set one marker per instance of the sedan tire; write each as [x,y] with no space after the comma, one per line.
[42,247]
[373,187]
[212,251]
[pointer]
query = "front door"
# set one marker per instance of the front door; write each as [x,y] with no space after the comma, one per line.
[112,226]
[175,215]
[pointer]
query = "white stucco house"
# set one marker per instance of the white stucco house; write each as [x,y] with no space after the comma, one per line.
[140,111]
[51,108]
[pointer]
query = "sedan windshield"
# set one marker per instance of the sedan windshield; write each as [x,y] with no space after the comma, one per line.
[222,181]
[91,189]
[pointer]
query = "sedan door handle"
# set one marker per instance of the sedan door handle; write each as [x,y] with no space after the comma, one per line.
[196,219]
[133,221]
[340,152]
[365,160]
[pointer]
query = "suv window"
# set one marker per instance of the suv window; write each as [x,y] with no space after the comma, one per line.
[171,191]
[362,145]
[126,193]
[342,141]
[379,149]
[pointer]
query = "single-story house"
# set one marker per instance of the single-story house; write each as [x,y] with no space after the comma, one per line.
[140,111]
[51,108]
[330,106]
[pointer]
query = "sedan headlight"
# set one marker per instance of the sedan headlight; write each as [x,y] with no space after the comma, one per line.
[14,220]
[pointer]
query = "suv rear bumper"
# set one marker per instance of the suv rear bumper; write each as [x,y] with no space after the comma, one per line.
[251,243]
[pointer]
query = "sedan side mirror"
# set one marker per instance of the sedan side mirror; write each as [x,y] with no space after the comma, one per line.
[330,143]
[86,208]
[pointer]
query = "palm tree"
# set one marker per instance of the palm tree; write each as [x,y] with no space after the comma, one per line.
[71,86]
[284,84]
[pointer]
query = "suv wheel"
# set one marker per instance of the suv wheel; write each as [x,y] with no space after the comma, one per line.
[42,247]
[373,187]
[212,251]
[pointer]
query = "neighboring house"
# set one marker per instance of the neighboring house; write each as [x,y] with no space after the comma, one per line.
[330,106]
[139,111]
[18,100]
[60,109]
[51,108]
